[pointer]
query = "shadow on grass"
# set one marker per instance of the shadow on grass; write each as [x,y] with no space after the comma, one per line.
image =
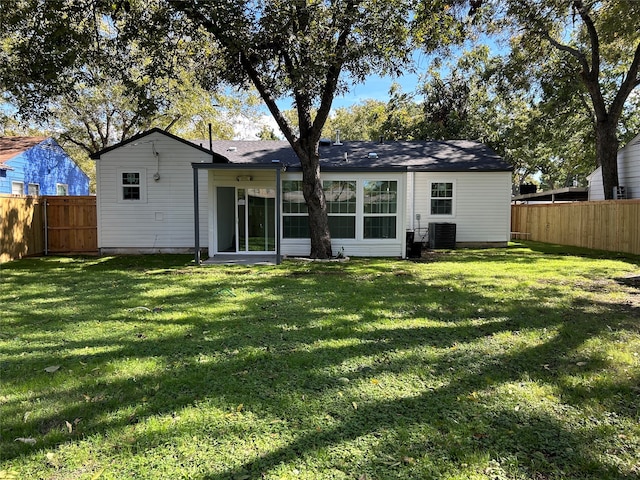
[291,334]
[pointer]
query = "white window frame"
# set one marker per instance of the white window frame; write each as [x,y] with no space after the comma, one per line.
[19,186]
[452,198]
[359,215]
[62,186]
[143,185]
[353,215]
[395,214]
[31,187]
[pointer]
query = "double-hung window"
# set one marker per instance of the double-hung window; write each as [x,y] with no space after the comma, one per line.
[442,198]
[131,185]
[295,220]
[380,204]
[33,189]
[341,207]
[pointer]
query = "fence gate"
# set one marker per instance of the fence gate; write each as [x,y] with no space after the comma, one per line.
[71,225]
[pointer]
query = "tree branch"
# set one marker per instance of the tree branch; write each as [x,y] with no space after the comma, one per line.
[84,146]
[593,38]
[333,73]
[631,81]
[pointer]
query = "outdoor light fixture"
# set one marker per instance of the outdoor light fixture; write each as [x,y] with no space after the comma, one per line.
[244,178]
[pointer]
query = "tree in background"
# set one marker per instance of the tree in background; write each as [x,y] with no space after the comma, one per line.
[103,87]
[598,47]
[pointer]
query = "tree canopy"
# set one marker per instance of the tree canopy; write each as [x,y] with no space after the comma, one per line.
[596,47]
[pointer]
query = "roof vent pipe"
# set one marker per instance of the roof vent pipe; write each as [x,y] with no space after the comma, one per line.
[381,139]
[337,142]
[346,157]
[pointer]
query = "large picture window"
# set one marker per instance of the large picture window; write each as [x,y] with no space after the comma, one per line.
[372,215]
[441,198]
[380,209]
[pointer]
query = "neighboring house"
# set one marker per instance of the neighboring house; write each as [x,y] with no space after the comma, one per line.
[628,174]
[249,199]
[39,166]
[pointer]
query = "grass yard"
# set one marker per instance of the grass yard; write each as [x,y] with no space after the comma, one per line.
[519,363]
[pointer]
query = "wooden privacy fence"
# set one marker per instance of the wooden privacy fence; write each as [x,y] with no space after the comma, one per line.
[21,227]
[44,225]
[607,225]
[71,225]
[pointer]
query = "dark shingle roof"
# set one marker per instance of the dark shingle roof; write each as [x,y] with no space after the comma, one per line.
[442,156]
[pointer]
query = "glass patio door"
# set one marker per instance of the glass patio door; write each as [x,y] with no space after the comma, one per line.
[252,227]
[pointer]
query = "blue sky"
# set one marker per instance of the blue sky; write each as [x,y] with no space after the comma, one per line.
[377,87]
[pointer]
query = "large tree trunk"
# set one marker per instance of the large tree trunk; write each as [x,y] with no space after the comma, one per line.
[607,156]
[316,203]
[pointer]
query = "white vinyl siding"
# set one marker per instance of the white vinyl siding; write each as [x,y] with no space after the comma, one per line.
[165,220]
[481,205]
[628,173]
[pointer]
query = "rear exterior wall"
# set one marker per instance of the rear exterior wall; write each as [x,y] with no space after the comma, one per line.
[480,206]
[163,219]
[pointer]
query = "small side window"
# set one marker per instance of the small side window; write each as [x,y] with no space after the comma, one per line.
[131,186]
[62,189]
[441,198]
[17,188]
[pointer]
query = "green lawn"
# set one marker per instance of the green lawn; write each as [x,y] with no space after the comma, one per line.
[517,363]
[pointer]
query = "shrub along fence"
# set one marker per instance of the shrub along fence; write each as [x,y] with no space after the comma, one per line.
[605,225]
[42,225]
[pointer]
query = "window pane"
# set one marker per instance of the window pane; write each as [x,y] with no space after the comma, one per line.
[380,197]
[295,227]
[340,196]
[342,227]
[442,190]
[380,227]
[292,197]
[441,207]
[131,193]
[131,178]
[62,189]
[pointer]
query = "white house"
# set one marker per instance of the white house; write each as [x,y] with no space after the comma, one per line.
[248,196]
[628,173]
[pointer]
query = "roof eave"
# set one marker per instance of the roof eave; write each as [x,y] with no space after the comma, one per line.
[215,156]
